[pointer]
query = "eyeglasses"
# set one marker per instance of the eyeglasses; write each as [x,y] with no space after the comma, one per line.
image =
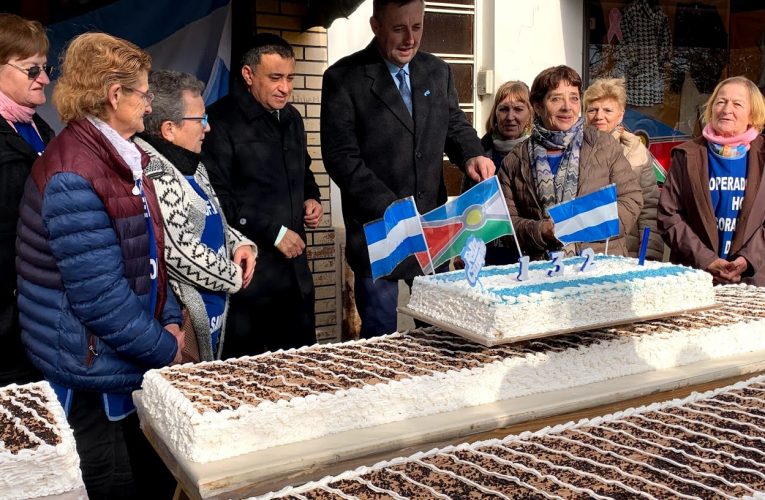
[202,119]
[148,97]
[35,71]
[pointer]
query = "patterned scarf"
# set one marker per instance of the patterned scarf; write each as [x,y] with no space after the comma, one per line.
[552,190]
[729,147]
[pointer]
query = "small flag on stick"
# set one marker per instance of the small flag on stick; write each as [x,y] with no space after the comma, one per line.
[481,211]
[592,217]
[394,237]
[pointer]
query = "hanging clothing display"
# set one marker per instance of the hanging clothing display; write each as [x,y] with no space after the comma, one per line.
[644,53]
[701,46]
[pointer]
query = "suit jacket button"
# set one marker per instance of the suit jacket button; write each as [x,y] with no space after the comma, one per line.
[242,221]
[420,195]
[418,155]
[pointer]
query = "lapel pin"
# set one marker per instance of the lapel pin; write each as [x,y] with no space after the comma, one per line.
[427,93]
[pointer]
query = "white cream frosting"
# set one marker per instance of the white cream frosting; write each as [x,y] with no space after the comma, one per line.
[45,469]
[215,435]
[495,309]
[630,417]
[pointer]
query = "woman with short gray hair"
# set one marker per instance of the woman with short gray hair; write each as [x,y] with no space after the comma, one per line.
[206,259]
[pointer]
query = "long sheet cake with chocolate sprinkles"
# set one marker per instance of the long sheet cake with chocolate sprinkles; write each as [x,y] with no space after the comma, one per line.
[709,445]
[38,456]
[215,410]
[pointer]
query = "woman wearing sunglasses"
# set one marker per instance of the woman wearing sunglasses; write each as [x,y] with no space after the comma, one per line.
[206,258]
[23,136]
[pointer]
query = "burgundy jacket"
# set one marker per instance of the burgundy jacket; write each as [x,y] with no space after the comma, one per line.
[687,220]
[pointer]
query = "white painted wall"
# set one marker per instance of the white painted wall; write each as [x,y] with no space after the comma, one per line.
[345,37]
[519,38]
[515,38]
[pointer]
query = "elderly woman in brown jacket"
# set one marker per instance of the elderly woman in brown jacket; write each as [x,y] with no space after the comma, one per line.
[604,103]
[712,207]
[563,160]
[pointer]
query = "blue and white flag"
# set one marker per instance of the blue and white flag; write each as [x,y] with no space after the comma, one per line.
[193,37]
[394,237]
[592,217]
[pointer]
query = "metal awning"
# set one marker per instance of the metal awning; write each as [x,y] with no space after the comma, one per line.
[323,12]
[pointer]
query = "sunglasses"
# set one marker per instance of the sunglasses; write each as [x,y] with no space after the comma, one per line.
[35,71]
[202,119]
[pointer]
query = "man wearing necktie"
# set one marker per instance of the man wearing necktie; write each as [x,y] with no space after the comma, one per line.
[259,168]
[388,114]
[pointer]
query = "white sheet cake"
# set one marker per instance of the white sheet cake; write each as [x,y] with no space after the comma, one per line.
[215,410]
[38,456]
[709,445]
[614,290]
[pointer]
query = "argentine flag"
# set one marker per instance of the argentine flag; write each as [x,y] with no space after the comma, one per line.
[394,237]
[592,217]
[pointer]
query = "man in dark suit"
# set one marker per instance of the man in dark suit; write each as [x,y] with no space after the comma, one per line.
[388,114]
[258,161]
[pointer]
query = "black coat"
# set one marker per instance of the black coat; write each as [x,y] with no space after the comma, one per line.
[377,153]
[16,159]
[259,168]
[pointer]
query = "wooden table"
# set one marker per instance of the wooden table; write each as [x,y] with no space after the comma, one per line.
[75,494]
[293,464]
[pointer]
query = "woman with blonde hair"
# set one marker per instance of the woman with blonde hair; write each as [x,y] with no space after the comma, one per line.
[605,101]
[510,120]
[508,125]
[712,207]
[94,304]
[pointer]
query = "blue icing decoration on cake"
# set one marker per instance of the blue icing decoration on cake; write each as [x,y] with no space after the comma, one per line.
[551,286]
[543,285]
[512,269]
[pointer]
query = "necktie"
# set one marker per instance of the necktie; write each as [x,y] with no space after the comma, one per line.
[403,88]
[276,114]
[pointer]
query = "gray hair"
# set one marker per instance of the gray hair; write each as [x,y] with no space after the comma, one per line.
[168,87]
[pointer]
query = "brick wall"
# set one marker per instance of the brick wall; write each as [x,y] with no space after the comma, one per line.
[283,18]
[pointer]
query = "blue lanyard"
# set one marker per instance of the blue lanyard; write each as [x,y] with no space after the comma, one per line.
[153,261]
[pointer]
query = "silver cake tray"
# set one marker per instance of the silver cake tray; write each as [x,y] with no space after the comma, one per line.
[492,341]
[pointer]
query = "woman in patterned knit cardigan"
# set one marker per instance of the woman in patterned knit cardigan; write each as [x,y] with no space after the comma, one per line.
[206,259]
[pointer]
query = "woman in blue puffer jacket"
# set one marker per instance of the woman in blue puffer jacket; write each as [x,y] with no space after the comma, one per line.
[94,306]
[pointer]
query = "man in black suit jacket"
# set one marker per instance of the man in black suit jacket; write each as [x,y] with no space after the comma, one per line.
[378,148]
[257,157]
